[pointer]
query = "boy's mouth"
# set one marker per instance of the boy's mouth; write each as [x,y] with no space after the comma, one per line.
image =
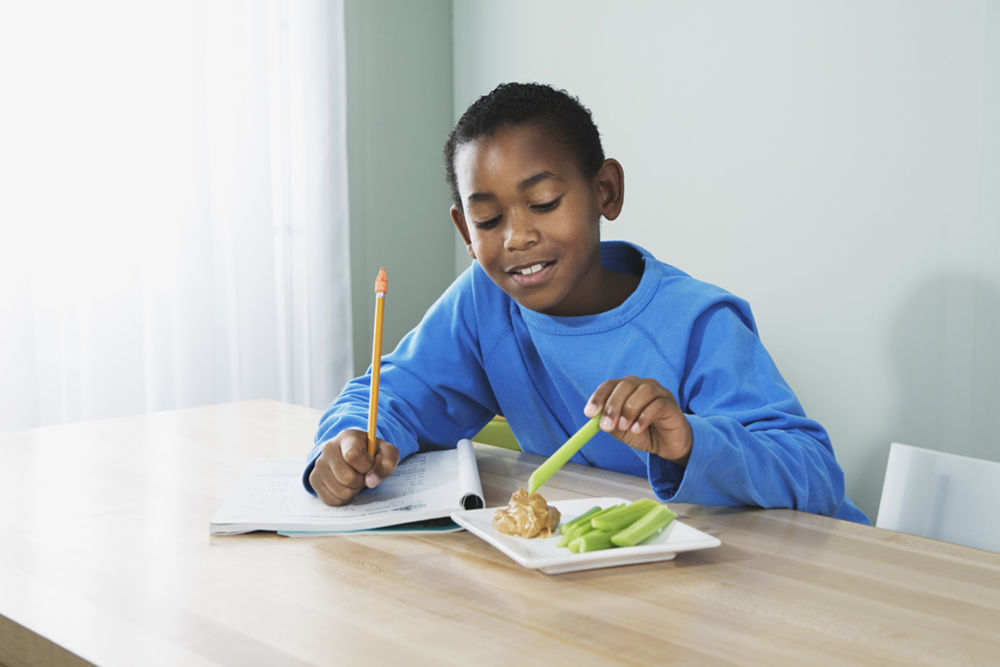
[531,274]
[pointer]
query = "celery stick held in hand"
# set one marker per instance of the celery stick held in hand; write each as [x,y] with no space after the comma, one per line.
[550,325]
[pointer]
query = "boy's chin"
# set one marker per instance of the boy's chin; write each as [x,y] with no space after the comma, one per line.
[539,305]
[536,304]
[542,300]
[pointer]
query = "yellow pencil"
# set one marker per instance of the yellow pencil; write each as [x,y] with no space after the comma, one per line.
[381,287]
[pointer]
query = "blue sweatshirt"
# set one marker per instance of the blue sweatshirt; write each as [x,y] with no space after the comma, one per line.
[477,353]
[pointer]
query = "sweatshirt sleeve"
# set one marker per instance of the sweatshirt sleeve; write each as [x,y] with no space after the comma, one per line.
[752,443]
[433,390]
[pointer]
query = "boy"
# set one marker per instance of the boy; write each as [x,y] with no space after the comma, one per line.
[549,326]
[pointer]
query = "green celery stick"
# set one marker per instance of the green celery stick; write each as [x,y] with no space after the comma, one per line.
[564,453]
[577,531]
[582,524]
[581,529]
[587,519]
[567,525]
[592,541]
[623,517]
[651,523]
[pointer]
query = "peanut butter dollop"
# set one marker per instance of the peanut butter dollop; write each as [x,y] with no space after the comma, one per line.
[526,516]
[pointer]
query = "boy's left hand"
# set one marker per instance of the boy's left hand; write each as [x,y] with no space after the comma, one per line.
[643,415]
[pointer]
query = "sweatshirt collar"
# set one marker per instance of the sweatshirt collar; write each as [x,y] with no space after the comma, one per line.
[620,256]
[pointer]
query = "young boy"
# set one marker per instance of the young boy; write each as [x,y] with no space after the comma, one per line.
[549,326]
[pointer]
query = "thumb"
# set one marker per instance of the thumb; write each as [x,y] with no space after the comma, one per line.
[386,459]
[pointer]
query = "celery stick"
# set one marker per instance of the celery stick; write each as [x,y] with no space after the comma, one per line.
[586,516]
[568,537]
[582,529]
[651,523]
[564,453]
[623,517]
[592,541]
[582,524]
[569,526]
[576,532]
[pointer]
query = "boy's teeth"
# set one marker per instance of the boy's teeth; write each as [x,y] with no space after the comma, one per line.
[531,269]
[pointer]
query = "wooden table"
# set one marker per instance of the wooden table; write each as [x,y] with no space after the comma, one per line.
[105,557]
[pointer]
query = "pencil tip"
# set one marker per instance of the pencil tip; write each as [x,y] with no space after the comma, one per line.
[382,281]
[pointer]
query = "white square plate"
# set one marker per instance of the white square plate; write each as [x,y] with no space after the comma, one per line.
[543,554]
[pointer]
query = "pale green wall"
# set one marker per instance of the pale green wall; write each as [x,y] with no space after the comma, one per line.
[399,101]
[837,163]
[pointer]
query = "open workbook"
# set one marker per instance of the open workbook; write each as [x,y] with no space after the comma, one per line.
[425,489]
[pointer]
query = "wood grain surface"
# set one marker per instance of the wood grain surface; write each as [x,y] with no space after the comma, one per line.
[105,557]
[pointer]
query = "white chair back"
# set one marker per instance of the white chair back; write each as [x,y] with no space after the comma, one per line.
[944,496]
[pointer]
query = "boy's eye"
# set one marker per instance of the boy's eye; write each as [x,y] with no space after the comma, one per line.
[487,224]
[548,206]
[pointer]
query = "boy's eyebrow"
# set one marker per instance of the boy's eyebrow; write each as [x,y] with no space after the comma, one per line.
[537,178]
[523,185]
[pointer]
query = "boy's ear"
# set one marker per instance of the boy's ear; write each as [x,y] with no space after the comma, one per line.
[610,183]
[458,217]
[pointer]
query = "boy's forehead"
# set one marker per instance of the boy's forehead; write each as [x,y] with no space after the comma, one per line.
[510,155]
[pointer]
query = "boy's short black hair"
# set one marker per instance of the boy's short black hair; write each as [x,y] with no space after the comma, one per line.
[522,103]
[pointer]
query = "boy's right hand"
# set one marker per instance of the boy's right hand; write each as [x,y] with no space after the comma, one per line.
[344,467]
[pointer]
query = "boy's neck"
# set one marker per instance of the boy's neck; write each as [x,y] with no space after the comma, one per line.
[616,288]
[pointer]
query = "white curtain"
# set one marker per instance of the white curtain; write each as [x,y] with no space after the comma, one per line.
[173,206]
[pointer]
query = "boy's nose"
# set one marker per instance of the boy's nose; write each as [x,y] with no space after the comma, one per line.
[521,232]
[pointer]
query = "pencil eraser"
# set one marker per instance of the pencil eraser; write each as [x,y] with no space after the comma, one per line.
[382,281]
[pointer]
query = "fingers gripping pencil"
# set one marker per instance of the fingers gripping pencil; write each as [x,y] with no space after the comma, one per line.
[381,288]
